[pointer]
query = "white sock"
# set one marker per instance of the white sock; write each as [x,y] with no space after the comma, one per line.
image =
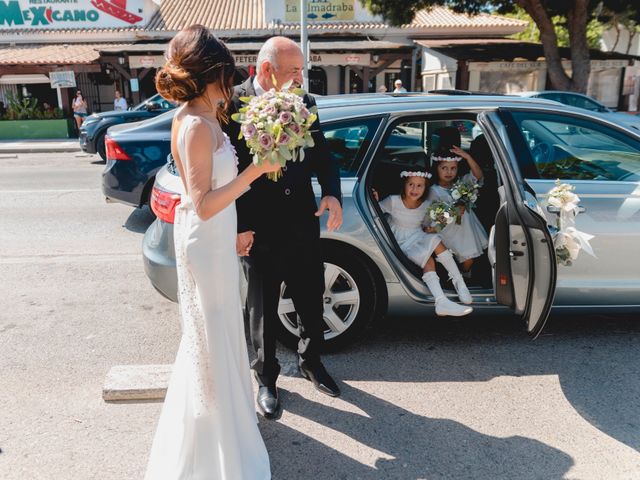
[449,263]
[433,282]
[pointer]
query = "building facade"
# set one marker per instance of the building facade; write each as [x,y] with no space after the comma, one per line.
[103,45]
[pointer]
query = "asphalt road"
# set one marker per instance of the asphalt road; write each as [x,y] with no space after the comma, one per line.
[422,398]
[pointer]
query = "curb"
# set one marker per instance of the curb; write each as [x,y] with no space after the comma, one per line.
[40,150]
[39,146]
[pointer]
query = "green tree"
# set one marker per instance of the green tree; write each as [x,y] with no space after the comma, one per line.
[595,29]
[577,15]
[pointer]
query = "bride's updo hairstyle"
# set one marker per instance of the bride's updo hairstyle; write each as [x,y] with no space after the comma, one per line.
[196,58]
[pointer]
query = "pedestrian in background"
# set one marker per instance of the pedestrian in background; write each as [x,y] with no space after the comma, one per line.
[399,88]
[79,106]
[119,103]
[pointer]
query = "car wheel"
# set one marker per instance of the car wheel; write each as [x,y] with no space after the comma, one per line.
[100,146]
[350,301]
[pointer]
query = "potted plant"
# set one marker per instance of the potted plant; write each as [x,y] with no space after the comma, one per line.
[25,119]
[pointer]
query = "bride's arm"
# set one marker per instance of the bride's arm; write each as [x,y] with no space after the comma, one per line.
[200,146]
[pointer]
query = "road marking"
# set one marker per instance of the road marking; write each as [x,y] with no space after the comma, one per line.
[70,258]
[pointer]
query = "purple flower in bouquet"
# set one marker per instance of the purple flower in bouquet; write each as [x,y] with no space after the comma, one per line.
[249,130]
[285,117]
[284,139]
[266,141]
[295,128]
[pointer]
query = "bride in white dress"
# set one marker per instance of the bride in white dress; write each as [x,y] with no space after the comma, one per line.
[208,426]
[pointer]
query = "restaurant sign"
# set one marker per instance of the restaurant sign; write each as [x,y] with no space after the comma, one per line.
[66,79]
[320,11]
[53,14]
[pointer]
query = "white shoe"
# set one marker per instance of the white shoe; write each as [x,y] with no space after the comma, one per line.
[445,307]
[463,292]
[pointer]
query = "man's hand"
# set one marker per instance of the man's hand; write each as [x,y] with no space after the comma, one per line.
[335,212]
[244,242]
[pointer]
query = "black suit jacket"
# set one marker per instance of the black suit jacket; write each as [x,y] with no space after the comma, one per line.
[277,209]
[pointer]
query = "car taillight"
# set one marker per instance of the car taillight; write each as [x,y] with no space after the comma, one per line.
[114,151]
[164,203]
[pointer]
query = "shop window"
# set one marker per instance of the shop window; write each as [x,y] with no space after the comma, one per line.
[317,81]
[507,82]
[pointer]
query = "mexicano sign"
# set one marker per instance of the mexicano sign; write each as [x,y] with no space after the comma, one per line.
[70,13]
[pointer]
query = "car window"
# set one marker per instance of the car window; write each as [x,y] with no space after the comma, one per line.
[584,102]
[571,148]
[158,99]
[348,141]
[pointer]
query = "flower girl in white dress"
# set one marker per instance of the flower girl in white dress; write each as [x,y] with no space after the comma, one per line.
[208,426]
[407,213]
[468,239]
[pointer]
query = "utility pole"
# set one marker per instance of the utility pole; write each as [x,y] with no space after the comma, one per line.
[304,44]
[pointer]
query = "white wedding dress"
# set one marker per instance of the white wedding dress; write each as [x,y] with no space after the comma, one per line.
[208,426]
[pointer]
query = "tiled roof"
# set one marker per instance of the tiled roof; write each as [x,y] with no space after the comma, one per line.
[441,17]
[214,14]
[67,54]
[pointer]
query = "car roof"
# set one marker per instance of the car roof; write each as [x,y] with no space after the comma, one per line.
[336,106]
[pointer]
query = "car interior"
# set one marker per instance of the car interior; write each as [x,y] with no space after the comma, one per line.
[409,145]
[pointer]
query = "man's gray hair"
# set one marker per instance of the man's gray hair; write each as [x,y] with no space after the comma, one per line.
[269,51]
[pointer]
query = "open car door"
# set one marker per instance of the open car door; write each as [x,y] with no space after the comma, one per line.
[525,266]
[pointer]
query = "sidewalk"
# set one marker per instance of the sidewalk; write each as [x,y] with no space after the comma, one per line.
[40,146]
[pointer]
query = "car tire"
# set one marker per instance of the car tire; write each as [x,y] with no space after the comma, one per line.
[100,146]
[352,301]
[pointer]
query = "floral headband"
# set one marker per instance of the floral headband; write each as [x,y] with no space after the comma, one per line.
[407,173]
[435,158]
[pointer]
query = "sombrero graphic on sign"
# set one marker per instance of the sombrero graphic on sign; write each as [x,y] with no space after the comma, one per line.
[53,14]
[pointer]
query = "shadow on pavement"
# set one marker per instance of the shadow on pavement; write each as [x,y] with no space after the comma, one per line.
[421,447]
[595,359]
[139,220]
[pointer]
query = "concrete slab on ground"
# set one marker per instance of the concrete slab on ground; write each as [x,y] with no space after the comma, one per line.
[126,383]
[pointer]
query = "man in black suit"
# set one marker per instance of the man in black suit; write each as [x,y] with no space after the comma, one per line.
[279,235]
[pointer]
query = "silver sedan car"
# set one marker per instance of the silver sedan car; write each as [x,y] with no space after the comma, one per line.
[523,146]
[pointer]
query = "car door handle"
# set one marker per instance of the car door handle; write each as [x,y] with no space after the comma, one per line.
[552,209]
[516,253]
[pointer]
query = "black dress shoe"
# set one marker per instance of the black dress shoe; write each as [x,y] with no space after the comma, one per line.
[268,402]
[321,379]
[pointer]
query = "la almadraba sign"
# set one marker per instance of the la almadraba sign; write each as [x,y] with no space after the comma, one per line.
[70,13]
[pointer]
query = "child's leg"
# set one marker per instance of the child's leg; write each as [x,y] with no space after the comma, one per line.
[444,306]
[467,264]
[430,266]
[448,262]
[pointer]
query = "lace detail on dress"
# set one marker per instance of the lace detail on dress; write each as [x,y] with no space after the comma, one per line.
[194,336]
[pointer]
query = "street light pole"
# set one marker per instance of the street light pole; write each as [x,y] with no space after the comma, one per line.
[304,44]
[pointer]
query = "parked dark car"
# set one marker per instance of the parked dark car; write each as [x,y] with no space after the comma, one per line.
[135,152]
[531,143]
[94,128]
[578,100]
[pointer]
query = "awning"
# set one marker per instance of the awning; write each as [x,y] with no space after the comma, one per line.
[50,54]
[346,46]
[28,78]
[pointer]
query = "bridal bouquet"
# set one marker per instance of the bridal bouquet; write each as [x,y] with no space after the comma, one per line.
[464,193]
[440,214]
[276,126]
[568,240]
